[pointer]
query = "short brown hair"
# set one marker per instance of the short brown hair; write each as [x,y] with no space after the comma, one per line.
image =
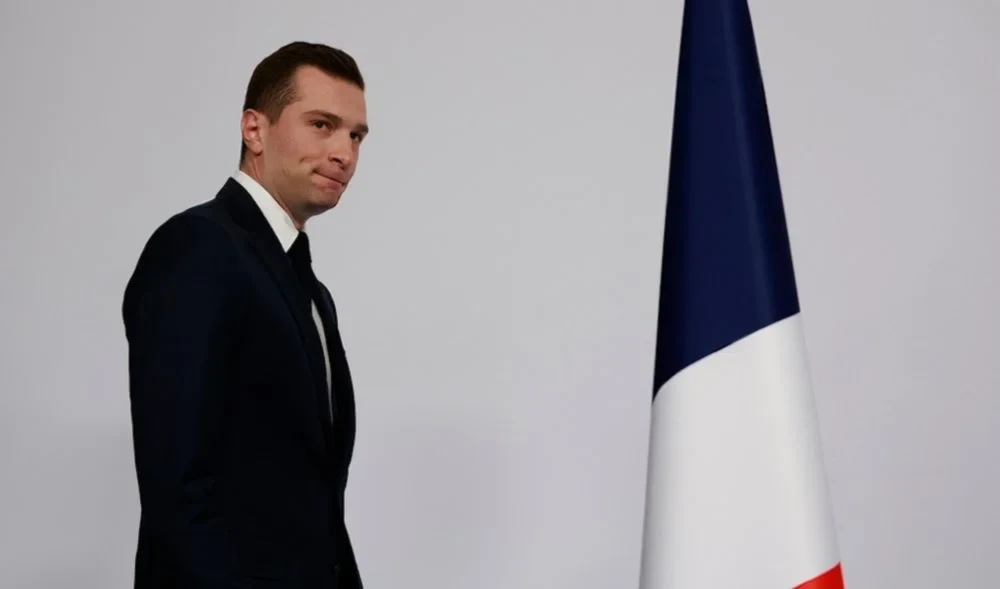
[271,86]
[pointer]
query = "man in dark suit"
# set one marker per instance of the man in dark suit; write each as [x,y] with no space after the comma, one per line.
[241,397]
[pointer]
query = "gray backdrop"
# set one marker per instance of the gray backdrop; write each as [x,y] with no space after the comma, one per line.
[495,263]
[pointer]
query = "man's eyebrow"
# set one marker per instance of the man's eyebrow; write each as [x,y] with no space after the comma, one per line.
[360,127]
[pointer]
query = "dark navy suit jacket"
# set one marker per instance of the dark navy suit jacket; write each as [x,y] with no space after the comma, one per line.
[241,472]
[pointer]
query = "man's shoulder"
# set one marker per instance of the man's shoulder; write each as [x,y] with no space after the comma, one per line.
[201,236]
[205,224]
[191,231]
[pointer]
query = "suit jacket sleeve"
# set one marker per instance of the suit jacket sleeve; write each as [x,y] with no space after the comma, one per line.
[182,314]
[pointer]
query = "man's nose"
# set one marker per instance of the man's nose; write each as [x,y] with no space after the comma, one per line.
[342,150]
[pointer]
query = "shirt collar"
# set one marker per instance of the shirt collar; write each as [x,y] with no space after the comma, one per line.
[278,218]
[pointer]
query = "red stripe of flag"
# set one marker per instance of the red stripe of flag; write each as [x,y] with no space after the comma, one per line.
[831,579]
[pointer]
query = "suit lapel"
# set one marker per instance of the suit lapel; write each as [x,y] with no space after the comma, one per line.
[267,247]
[328,318]
[340,375]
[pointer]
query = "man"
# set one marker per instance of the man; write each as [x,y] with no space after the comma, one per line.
[242,403]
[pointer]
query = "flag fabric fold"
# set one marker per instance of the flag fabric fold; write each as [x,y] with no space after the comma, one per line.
[736,489]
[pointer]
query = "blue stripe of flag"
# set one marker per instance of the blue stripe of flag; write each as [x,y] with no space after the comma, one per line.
[727,267]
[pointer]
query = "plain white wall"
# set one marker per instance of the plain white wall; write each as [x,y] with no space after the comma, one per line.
[495,263]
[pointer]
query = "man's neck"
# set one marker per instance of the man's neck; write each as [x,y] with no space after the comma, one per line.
[250,168]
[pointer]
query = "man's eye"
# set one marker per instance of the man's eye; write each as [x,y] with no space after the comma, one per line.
[321,124]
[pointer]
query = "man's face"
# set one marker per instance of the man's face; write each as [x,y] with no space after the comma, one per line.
[309,154]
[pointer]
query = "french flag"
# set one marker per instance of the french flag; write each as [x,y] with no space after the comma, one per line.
[736,493]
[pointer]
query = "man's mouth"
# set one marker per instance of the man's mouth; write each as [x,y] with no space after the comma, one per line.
[331,180]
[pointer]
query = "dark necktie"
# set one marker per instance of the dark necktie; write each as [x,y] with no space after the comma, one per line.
[302,262]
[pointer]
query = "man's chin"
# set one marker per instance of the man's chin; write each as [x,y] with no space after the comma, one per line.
[326,200]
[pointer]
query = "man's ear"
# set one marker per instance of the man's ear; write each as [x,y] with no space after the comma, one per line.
[253,125]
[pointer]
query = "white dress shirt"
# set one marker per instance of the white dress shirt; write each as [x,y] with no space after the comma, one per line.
[283,227]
